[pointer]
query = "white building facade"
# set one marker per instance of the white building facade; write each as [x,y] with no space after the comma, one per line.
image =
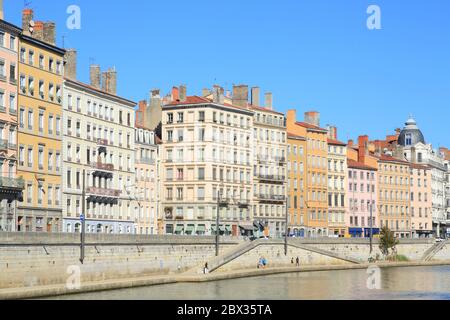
[98,139]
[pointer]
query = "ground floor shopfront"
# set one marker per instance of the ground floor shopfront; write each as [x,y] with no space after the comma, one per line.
[99,226]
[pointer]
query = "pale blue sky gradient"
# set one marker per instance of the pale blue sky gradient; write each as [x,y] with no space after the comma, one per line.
[312,54]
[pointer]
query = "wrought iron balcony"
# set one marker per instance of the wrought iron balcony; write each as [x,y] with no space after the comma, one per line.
[146,161]
[271,198]
[103,169]
[101,195]
[271,177]
[3,144]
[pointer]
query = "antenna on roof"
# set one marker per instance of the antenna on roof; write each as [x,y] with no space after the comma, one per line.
[26,3]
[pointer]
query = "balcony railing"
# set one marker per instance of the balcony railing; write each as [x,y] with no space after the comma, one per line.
[110,193]
[102,142]
[271,197]
[102,166]
[271,177]
[13,183]
[146,161]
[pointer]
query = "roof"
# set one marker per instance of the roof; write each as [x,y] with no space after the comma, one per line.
[359,165]
[265,110]
[189,100]
[295,136]
[44,44]
[311,126]
[387,158]
[87,86]
[419,166]
[336,142]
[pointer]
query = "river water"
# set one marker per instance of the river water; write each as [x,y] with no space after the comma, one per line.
[412,283]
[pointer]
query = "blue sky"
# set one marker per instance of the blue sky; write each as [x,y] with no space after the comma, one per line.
[312,54]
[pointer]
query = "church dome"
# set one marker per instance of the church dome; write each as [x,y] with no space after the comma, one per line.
[411,134]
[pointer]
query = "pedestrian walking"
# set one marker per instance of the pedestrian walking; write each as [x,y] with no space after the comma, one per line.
[298,262]
[206,269]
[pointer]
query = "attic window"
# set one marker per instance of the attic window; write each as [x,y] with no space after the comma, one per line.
[408,139]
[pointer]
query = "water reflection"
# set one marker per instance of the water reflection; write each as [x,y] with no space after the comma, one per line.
[430,283]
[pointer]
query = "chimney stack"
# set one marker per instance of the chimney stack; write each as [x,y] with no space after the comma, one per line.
[268,101]
[70,68]
[240,96]
[183,93]
[332,132]
[350,143]
[95,76]
[109,81]
[2,15]
[218,95]
[205,92]
[175,94]
[49,33]
[255,100]
[363,148]
[27,17]
[313,117]
[38,30]
[153,113]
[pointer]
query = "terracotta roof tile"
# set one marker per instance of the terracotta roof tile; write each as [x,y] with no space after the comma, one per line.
[359,165]
[310,126]
[336,142]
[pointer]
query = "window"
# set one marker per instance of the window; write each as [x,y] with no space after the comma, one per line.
[30,119]
[2,39]
[180,117]
[22,118]
[30,157]
[41,158]
[201,116]
[31,57]
[201,174]
[41,121]
[22,55]
[12,43]
[12,73]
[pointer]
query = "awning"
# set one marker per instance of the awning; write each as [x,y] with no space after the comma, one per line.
[222,228]
[229,228]
[179,229]
[202,228]
[190,228]
[355,230]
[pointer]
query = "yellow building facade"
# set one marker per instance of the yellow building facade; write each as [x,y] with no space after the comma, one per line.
[40,136]
[316,167]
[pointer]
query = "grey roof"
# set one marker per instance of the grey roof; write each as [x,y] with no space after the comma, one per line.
[412,129]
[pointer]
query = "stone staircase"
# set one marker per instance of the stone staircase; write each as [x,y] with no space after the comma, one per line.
[234,253]
[430,253]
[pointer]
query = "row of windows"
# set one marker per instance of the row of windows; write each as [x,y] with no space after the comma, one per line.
[200,116]
[53,158]
[269,136]
[364,205]
[393,168]
[354,221]
[4,72]
[48,64]
[54,93]
[8,41]
[53,121]
[395,225]
[52,193]
[370,176]
[401,181]
[270,120]
[74,154]
[98,110]
[369,188]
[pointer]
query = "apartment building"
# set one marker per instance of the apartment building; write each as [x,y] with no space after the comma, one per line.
[337,182]
[207,163]
[147,178]
[99,143]
[270,166]
[394,195]
[362,200]
[11,185]
[297,192]
[316,170]
[40,101]
[421,201]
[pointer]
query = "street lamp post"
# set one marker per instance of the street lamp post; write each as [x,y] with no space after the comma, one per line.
[286,231]
[83,218]
[217,223]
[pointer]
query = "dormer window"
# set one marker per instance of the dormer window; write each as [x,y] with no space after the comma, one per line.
[408,139]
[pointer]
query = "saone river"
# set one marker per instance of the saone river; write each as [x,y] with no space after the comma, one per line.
[421,283]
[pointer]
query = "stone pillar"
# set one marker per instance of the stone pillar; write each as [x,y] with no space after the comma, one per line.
[70,69]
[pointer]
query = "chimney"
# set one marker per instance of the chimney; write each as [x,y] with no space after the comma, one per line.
[363,148]
[70,68]
[255,101]
[49,33]
[205,92]
[240,96]
[38,30]
[113,81]
[153,113]
[2,15]
[95,75]
[218,95]
[140,113]
[413,155]
[350,143]
[183,93]
[268,101]
[398,131]
[175,94]
[313,118]
[27,17]
[332,132]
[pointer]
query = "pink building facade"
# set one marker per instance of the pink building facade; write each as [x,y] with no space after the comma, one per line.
[362,195]
[10,186]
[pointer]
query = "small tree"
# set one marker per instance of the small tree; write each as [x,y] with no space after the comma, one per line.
[387,241]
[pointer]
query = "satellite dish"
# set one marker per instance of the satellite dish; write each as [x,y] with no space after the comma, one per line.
[32,24]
